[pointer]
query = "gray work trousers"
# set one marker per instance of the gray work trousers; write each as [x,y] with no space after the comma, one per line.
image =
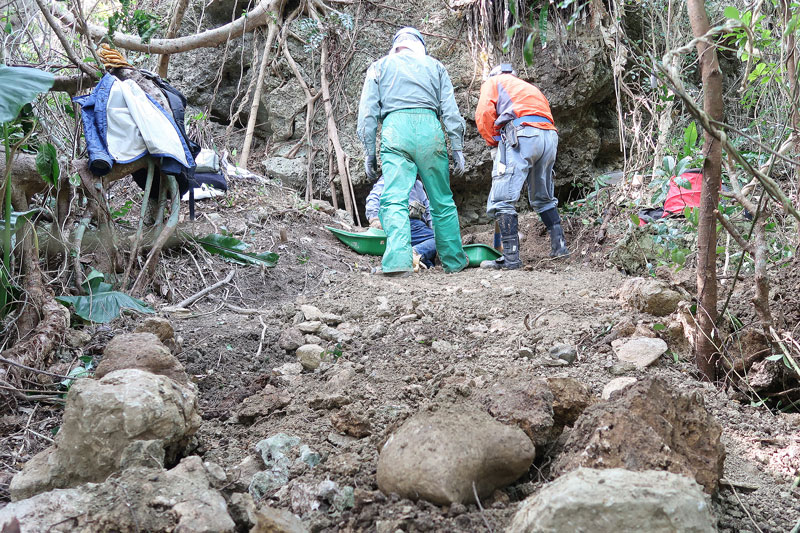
[530,161]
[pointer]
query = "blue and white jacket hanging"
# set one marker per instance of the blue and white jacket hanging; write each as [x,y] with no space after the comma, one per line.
[122,123]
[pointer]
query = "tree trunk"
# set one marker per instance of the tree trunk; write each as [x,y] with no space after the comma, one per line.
[706,351]
[790,46]
[251,120]
[172,31]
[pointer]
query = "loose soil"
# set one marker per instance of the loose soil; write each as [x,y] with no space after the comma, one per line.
[412,341]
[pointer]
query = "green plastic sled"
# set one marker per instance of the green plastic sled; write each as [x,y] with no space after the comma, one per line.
[370,242]
[480,252]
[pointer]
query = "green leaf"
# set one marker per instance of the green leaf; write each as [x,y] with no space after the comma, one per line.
[659,327]
[47,164]
[543,23]
[102,304]
[775,357]
[19,86]
[232,249]
[18,219]
[635,219]
[527,49]
[731,12]
[509,36]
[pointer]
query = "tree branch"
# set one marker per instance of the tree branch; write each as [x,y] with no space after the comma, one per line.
[207,39]
[51,20]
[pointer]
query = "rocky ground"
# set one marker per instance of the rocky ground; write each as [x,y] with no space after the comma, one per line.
[277,393]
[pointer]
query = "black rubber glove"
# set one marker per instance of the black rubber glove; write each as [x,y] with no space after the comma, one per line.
[458,163]
[371,167]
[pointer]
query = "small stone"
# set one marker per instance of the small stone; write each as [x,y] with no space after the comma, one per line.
[509,291]
[311,339]
[616,385]
[322,205]
[311,313]
[290,339]
[77,338]
[525,352]
[310,327]
[641,351]
[310,356]
[547,361]
[565,352]
[622,368]
[407,318]
[288,369]
[486,283]
[350,423]
[442,347]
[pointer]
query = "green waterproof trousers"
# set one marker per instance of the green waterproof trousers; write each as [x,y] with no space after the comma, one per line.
[412,142]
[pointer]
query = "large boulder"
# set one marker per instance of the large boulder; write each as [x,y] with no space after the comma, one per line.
[130,417]
[650,295]
[613,500]
[647,427]
[144,351]
[445,455]
[139,499]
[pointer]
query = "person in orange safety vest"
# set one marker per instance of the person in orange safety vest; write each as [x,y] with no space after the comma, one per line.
[515,116]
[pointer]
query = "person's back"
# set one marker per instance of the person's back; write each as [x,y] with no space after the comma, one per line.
[409,92]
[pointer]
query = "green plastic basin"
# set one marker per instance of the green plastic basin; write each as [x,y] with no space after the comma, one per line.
[480,252]
[370,242]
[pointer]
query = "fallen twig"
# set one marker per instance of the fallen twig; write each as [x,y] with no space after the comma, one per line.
[196,296]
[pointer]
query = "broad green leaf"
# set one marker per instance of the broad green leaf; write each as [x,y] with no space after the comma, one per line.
[731,12]
[47,164]
[635,219]
[19,86]
[659,327]
[527,49]
[232,249]
[689,138]
[775,357]
[103,305]
[509,36]
[18,219]
[543,23]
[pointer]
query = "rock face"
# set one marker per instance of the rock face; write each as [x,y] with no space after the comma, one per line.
[139,499]
[650,295]
[577,80]
[144,351]
[614,500]
[647,427]
[130,417]
[439,455]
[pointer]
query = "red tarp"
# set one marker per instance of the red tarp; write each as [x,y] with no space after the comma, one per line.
[678,198]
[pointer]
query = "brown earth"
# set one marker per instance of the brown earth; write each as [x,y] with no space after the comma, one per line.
[391,362]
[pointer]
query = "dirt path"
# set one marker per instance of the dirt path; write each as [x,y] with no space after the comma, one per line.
[406,343]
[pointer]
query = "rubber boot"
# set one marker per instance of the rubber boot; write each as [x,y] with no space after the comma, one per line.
[558,245]
[509,234]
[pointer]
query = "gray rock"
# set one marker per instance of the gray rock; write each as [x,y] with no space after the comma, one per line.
[439,455]
[650,295]
[615,385]
[565,352]
[104,422]
[313,326]
[291,172]
[323,206]
[614,500]
[138,499]
[442,347]
[525,352]
[639,351]
[311,313]
[288,369]
[310,356]
[290,339]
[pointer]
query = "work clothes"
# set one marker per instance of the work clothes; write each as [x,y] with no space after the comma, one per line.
[417,195]
[422,237]
[423,241]
[410,93]
[413,144]
[405,80]
[122,123]
[515,116]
